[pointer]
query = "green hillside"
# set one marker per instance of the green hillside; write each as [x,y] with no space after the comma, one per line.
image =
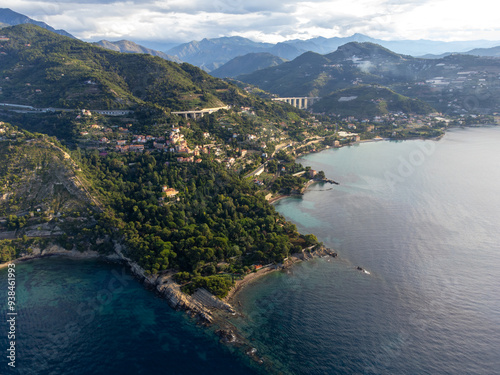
[247,64]
[44,69]
[32,174]
[216,217]
[369,101]
[312,74]
[128,46]
[303,76]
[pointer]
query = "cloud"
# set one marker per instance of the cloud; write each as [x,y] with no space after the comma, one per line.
[263,20]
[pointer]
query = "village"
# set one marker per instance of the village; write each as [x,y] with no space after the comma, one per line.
[236,147]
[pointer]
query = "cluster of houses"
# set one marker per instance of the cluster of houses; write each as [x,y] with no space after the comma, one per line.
[174,143]
[396,119]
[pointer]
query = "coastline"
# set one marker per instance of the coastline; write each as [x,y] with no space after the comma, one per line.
[55,250]
[247,280]
[306,254]
[266,322]
[204,307]
[303,189]
[279,197]
[226,330]
[205,310]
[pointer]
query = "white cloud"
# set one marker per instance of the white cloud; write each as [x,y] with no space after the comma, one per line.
[265,20]
[450,20]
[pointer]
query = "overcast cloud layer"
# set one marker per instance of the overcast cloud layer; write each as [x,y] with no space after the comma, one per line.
[266,20]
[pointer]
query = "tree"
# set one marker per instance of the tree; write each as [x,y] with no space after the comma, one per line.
[310,239]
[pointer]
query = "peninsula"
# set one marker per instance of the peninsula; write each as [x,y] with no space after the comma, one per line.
[157,164]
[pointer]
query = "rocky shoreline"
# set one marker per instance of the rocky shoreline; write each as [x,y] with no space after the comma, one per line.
[303,189]
[202,305]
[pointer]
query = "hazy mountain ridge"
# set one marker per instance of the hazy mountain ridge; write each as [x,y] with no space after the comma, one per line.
[247,64]
[213,53]
[485,52]
[127,46]
[493,51]
[10,18]
[210,54]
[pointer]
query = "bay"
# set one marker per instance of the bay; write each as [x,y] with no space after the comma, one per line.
[422,217]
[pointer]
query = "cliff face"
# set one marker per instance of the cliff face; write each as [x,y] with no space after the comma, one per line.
[200,304]
[171,291]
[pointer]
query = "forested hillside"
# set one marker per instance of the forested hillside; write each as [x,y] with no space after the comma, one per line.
[369,101]
[194,215]
[44,69]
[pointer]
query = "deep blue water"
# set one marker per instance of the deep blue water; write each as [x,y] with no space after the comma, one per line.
[421,217]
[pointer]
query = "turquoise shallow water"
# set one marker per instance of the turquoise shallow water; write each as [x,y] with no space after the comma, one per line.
[422,217]
[88,317]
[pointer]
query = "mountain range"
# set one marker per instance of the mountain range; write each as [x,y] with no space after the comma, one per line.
[451,84]
[406,47]
[86,77]
[210,54]
[313,74]
[247,64]
[486,52]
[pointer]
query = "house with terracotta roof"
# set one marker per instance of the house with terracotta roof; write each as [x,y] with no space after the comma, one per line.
[137,148]
[169,192]
[181,159]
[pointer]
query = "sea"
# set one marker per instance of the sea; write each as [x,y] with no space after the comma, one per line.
[414,289]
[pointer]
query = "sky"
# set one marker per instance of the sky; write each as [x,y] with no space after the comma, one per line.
[178,21]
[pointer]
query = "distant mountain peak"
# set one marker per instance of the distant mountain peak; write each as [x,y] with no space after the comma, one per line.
[365,49]
[247,64]
[11,18]
[359,35]
[127,46]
